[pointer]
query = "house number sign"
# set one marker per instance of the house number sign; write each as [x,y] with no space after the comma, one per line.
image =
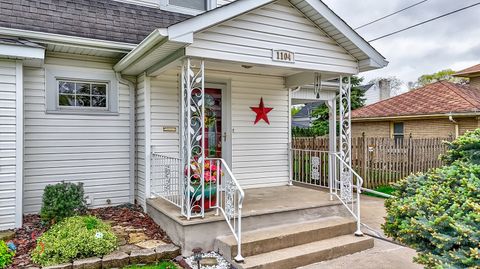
[283,56]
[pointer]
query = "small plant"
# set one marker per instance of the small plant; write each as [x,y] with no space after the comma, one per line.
[74,238]
[161,265]
[62,200]
[6,254]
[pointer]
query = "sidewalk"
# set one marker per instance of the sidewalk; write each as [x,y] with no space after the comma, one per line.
[383,255]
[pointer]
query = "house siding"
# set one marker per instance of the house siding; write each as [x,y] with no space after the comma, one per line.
[252,36]
[93,149]
[8,77]
[224,2]
[259,152]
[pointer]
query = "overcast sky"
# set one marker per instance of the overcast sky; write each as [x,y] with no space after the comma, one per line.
[450,42]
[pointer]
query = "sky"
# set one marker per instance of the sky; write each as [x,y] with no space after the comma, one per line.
[450,42]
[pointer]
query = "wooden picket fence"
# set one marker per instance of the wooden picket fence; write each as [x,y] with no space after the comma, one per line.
[383,160]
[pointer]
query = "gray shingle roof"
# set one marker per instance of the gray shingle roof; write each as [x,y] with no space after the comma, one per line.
[98,19]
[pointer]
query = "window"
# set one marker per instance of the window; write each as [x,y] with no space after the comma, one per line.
[191,4]
[81,94]
[398,132]
[81,90]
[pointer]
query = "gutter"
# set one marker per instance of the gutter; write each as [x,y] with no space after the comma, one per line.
[464,114]
[68,40]
[152,40]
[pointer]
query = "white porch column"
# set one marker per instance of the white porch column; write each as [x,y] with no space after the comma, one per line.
[193,132]
[332,144]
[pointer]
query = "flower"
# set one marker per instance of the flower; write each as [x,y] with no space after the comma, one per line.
[99,235]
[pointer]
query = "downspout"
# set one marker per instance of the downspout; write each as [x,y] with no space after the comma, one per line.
[457,132]
[132,87]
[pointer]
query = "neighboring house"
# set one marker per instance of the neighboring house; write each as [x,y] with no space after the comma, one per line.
[376,92]
[441,109]
[304,118]
[119,94]
[473,75]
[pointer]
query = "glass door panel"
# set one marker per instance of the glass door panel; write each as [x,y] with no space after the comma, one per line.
[213,123]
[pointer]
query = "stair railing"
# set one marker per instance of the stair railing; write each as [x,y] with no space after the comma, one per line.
[229,198]
[343,185]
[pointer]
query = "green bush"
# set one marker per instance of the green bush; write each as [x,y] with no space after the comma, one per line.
[6,255]
[438,214]
[74,238]
[62,200]
[465,148]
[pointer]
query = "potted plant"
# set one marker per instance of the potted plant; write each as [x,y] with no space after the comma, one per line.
[211,171]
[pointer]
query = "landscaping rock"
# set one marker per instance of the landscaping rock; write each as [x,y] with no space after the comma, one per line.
[89,263]
[167,252]
[134,238]
[128,248]
[59,266]
[151,244]
[116,259]
[143,256]
[7,235]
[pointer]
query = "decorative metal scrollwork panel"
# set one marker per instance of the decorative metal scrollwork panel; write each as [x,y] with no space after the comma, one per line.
[315,170]
[193,120]
[346,191]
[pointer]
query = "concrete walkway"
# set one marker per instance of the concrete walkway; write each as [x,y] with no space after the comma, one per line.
[383,255]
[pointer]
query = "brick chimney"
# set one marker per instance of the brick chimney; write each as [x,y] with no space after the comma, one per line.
[384,88]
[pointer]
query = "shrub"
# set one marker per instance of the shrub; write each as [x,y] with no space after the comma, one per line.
[438,214]
[62,200]
[6,254]
[465,148]
[74,238]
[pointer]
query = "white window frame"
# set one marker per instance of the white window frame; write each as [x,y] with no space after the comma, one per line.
[107,87]
[54,74]
[165,5]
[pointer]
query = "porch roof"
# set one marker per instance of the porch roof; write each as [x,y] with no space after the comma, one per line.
[164,46]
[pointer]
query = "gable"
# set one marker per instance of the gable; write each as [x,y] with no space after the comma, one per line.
[252,36]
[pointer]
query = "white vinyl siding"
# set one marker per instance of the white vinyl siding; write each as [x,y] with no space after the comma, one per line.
[140,140]
[7,144]
[93,149]
[223,2]
[372,95]
[252,36]
[259,152]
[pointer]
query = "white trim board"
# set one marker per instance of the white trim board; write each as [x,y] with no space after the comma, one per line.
[19,145]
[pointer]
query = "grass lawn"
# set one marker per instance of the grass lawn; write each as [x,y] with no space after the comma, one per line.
[162,265]
[382,189]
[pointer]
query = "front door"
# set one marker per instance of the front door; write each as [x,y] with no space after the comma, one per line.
[217,122]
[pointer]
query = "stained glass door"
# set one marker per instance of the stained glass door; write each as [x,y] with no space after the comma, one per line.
[213,123]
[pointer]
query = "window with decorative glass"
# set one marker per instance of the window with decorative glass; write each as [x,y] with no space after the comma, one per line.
[82,94]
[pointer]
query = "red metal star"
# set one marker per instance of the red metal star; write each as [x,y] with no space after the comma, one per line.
[262,112]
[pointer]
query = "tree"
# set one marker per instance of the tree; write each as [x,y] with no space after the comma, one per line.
[438,212]
[442,75]
[320,124]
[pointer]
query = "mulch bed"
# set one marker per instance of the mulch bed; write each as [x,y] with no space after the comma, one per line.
[127,215]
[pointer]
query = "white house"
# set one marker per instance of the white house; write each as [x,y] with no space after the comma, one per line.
[105,92]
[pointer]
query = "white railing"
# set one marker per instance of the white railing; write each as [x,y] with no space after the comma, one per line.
[166,178]
[328,170]
[343,185]
[310,167]
[229,197]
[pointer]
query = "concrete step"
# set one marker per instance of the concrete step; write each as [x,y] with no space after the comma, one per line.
[306,254]
[284,236]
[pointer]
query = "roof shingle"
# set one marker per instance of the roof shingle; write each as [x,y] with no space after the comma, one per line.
[437,98]
[98,19]
[467,72]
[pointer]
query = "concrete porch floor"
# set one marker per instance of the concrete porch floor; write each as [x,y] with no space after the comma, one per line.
[259,201]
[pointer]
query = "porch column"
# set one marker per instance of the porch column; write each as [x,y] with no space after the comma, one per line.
[345,146]
[193,132]
[332,144]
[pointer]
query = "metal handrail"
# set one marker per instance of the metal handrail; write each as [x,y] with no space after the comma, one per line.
[236,229]
[359,184]
[165,175]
